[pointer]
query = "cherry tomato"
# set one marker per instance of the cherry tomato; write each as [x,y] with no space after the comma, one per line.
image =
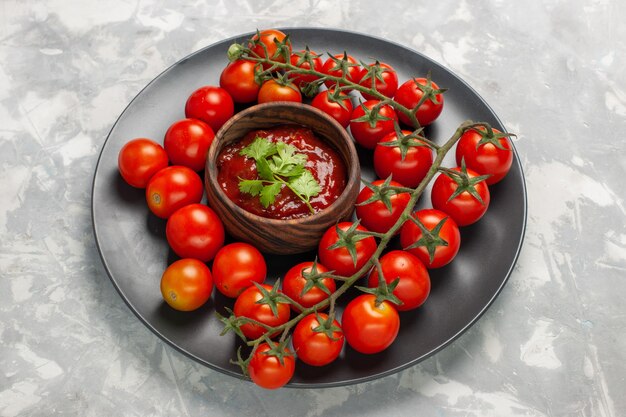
[339,259]
[332,68]
[271,90]
[315,344]
[172,188]
[409,94]
[236,266]
[370,328]
[212,105]
[414,285]
[335,110]
[238,81]
[187,142]
[246,305]
[271,38]
[297,59]
[139,160]
[195,231]
[445,242]
[267,371]
[408,171]
[375,216]
[386,87]
[363,132]
[186,284]
[294,283]
[464,209]
[485,158]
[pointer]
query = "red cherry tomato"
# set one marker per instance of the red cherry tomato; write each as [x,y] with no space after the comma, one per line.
[444,250]
[294,283]
[340,112]
[339,259]
[409,94]
[195,231]
[271,90]
[238,80]
[187,142]
[186,284]
[139,160]
[236,266]
[314,344]
[172,188]
[486,158]
[267,371]
[212,105]
[271,38]
[332,68]
[370,328]
[246,305]
[375,216]
[364,133]
[408,171]
[386,87]
[414,285]
[464,209]
[297,59]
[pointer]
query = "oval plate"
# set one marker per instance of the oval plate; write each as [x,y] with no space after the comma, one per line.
[133,248]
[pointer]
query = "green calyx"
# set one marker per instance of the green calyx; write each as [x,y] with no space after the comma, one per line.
[270,298]
[314,278]
[306,56]
[374,72]
[428,91]
[384,291]
[348,239]
[489,135]
[284,81]
[372,116]
[341,64]
[278,349]
[382,193]
[430,239]
[335,95]
[464,182]
[327,326]
[283,49]
[231,323]
[404,142]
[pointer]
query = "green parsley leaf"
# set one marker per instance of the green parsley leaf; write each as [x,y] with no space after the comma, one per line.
[278,164]
[305,185]
[294,171]
[253,187]
[261,148]
[269,193]
[264,170]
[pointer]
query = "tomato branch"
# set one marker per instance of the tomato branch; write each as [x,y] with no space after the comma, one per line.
[342,84]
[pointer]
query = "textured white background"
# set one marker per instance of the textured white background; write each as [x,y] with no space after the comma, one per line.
[552,344]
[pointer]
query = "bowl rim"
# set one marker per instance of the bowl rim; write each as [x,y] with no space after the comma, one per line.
[353,165]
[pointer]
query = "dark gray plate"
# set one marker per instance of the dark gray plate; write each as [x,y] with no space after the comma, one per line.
[135,253]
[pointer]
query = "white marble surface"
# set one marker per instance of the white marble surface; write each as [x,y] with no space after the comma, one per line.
[552,344]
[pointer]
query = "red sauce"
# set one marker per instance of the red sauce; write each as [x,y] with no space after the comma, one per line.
[323,161]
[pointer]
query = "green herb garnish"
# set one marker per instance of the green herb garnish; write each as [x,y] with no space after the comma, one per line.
[278,164]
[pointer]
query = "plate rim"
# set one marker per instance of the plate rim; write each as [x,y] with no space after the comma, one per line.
[346,382]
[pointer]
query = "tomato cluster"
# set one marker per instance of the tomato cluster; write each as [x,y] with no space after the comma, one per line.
[368,100]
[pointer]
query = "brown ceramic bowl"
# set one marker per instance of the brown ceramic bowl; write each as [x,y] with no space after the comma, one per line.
[272,235]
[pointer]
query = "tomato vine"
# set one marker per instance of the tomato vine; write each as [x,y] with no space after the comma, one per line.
[280,60]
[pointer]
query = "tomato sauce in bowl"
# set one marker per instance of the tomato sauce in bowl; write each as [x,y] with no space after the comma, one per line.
[323,162]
